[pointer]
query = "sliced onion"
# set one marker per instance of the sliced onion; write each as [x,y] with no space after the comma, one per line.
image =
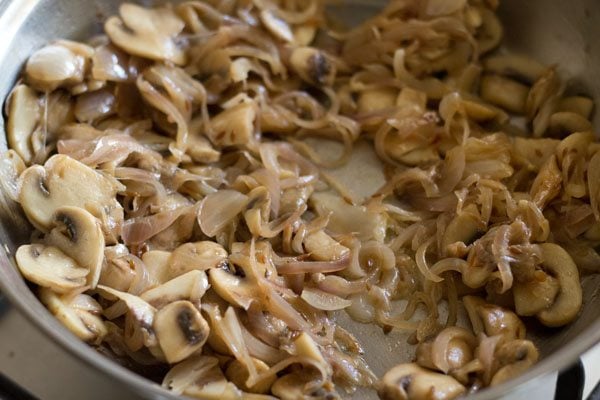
[138,230]
[218,209]
[293,266]
[323,300]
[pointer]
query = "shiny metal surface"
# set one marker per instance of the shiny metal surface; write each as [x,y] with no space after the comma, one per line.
[554,31]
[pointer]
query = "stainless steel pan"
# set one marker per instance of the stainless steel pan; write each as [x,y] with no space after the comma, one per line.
[554,31]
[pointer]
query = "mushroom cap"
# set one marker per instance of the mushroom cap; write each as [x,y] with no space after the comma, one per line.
[190,286]
[180,329]
[558,263]
[23,117]
[64,181]
[313,66]
[200,256]
[148,33]
[231,288]
[77,233]
[58,64]
[81,321]
[411,382]
[51,268]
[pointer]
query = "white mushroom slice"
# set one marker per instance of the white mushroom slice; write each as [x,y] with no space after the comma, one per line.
[199,256]
[190,286]
[51,268]
[559,264]
[157,264]
[277,26]
[77,233]
[64,181]
[577,104]
[231,288]
[23,116]
[504,92]
[373,100]
[59,64]
[513,358]
[79,314]
[345,218]
[535,295]
[147,32]
[181,330]
[294,386]
[11,167]
[233,126]
[411,382]
[313,66]
[323,247]
[188,372]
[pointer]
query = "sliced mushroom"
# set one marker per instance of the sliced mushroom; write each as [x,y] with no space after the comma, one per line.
[297,385]
[157,264]
[323,247]
[564,123]
[24,113]
[145,32]
[59,64]
[64,181]
[11,168]
[199,256]
[79,314]
[411,382]
[51,268]
[232,288]
[200,377]
[77,233]
[577,104]
[188,372]
[180,329]
[493,320]
[377,100]
[451,349]
[504,92]
[535,295]
[516,66]
[513,359]
[233,126]
[313,66]
[200,149]
[559,264]
[238,374]
[189,286]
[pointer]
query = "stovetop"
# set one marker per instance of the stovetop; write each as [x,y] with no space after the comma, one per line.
[30,360]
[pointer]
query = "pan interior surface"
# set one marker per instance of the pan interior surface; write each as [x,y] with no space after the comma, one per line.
[564,33]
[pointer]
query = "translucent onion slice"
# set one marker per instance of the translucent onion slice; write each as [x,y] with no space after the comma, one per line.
[323,300]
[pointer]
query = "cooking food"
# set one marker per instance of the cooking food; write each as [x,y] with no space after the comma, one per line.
[187,222]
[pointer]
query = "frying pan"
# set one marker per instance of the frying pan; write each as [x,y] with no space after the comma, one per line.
[553,31]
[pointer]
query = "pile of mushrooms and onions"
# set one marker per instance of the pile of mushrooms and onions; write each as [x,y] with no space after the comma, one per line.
[184,225]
